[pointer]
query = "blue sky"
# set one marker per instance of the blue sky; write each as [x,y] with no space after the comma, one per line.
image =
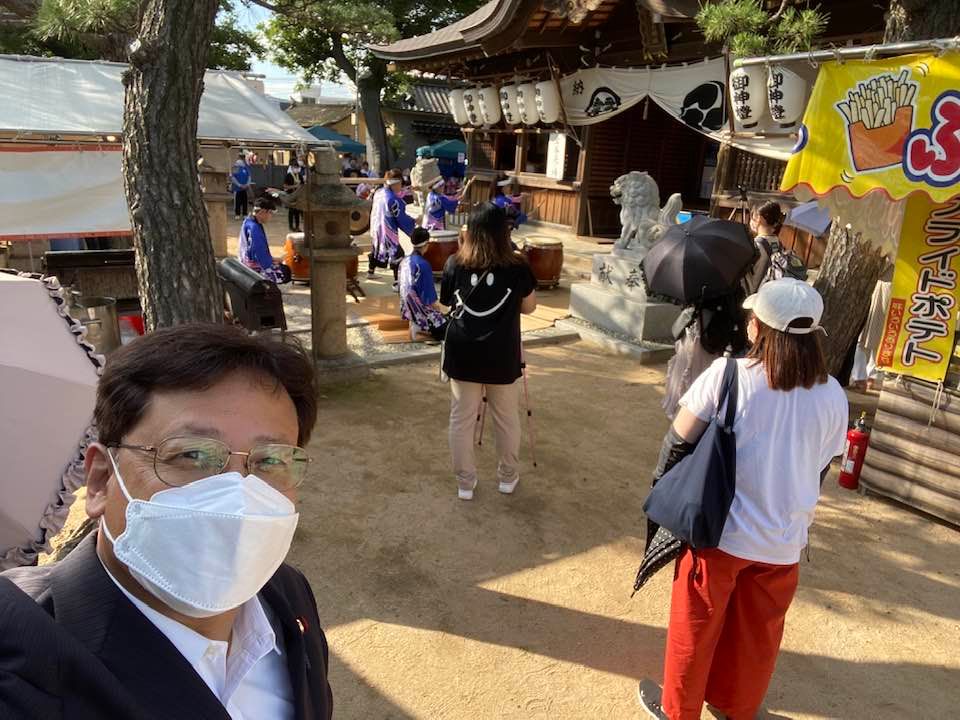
[279,82]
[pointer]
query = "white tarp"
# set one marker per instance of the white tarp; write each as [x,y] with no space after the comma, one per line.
[693,93]
[86,97]
[66,191]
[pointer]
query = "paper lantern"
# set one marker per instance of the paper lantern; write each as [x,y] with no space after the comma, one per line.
[508,103]
[456,107]
[548,101]
[490,105]
[748,94]
[471,103]
[786,94]
[527,103]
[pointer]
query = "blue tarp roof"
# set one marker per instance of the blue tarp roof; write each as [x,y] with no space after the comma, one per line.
[341,142]
[446,149]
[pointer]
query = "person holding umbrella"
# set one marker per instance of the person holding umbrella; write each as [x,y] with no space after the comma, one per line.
[700,264]
[728,603]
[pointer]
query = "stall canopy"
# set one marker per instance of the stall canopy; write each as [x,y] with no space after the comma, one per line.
[51,189]
[79,97]
[341,142]
[444,150]
[880,148]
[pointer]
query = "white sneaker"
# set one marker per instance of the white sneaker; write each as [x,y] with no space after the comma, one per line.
[466,494]
[507,488]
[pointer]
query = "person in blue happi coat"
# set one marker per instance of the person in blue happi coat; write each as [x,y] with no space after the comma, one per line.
[388,217]
[240,185]
[254,249]
[509,203]
[418,295]
[437,206]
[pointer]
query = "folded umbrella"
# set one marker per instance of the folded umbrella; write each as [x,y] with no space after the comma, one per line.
[698,260]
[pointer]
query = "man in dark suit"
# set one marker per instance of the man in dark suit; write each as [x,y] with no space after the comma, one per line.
[179,605]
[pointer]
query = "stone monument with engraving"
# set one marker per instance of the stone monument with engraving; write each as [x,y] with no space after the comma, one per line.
[615,299]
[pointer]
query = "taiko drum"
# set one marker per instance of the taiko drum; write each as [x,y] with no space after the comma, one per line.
[545,256]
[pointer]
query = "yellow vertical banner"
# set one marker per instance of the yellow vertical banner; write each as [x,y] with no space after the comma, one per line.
[919,331]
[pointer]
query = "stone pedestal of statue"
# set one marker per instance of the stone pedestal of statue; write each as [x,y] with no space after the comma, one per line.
[616,301]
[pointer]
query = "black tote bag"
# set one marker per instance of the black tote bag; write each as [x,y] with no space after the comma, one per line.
[692,500]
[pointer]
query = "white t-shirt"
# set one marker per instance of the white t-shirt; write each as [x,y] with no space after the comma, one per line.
[784,441]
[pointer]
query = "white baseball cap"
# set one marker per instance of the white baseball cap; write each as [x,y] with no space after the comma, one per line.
[779,302]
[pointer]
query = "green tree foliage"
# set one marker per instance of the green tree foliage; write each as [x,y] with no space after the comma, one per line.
[748,29]
[328,39]
[92,29]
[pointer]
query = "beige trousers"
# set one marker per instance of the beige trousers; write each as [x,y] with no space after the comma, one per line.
[503,404]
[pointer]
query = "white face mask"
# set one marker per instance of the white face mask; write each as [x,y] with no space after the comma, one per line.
[206,547]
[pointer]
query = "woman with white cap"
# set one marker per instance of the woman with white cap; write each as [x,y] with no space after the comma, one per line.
[728,603]
[437,206]
[388,216]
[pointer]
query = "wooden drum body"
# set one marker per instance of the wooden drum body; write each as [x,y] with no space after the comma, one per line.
[443,244]
[295,257]
[545,256]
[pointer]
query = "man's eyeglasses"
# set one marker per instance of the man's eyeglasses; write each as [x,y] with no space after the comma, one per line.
[179,461]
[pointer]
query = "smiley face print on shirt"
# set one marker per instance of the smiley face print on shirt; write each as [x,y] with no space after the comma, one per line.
[485,298]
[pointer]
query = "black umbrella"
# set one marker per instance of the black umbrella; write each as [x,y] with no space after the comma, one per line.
[701,259]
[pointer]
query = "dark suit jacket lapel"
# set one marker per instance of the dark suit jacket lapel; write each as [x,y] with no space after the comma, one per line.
[146,664]
[295,650]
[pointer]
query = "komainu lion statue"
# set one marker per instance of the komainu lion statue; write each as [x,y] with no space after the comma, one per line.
[642,220]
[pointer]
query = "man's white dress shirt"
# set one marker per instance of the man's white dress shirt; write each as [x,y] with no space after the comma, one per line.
[248,675]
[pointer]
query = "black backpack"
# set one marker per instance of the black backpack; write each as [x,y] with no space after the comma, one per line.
[783,262]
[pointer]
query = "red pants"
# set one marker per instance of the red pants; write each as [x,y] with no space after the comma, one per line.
[726,623]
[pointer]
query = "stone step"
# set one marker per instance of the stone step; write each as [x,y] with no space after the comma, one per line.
[646,353]
[614,311]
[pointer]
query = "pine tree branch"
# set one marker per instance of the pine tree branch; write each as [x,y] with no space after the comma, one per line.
[340,57]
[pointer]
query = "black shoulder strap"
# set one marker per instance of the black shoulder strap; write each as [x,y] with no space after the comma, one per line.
[728,392]
[765,244]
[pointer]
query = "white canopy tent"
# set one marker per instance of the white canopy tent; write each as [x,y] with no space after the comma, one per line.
[50,190]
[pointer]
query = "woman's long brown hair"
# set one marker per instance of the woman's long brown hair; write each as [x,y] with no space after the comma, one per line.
[487,241]
[789,360]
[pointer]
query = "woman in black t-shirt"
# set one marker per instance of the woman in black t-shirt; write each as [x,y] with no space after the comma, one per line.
[488,285]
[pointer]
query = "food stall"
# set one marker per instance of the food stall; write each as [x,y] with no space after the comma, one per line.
[878,147]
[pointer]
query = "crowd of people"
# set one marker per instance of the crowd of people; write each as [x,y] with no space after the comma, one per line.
[180,604]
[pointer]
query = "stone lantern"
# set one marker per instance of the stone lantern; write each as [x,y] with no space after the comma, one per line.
[326,205]
[214,171]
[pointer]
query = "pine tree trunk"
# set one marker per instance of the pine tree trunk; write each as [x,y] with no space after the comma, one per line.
[849,272]
[370,90]
[921,20]
[851,266]
[176,269]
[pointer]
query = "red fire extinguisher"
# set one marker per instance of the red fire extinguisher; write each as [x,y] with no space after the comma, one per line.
[856,447]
